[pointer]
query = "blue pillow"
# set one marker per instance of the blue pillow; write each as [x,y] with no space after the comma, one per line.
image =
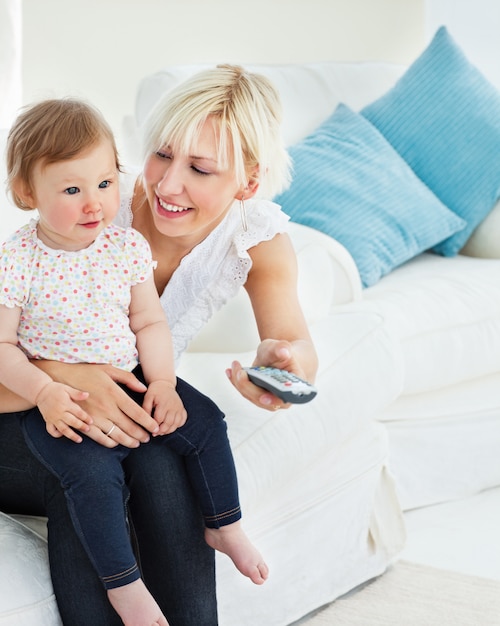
[443,118]
[352,185]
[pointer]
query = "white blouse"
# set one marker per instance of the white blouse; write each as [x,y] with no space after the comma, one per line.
[215,269]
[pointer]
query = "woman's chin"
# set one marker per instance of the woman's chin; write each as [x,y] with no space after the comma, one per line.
[170,222]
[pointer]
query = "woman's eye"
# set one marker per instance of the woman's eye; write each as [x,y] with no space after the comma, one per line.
[163,155]
[71,190]
[199,171]
[104,184]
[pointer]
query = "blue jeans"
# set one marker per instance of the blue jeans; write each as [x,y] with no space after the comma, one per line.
[94,480]
[177,565]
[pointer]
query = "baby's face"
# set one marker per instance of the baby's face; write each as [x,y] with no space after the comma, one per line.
[76,199]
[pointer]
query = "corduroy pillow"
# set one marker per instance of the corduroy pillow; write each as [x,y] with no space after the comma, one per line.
[352,185]
[443,118]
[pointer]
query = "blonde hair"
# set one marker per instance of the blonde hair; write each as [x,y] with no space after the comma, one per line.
[51,131]
[246,111]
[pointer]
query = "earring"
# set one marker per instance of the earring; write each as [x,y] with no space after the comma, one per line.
[243,214]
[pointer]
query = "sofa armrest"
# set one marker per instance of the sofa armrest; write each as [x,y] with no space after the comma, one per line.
[326,266]
[327,277]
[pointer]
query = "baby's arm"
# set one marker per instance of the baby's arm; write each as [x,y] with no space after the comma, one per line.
[154,345]
[57,402]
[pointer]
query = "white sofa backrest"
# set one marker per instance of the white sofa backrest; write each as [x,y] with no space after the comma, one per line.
[308,92]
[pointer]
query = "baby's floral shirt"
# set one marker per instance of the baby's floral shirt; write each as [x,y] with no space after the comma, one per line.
[75,304]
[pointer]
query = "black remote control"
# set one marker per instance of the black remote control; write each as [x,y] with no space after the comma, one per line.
[285,385]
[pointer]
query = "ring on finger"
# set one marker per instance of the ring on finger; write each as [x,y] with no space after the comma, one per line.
[110,430]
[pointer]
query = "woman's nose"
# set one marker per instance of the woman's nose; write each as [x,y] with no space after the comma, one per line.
[171,181]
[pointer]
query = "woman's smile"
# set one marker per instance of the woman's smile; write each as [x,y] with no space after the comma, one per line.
[170,210]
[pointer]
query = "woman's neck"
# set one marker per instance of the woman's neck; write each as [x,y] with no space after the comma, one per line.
[167,252]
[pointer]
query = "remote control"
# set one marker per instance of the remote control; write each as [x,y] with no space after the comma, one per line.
[285,385]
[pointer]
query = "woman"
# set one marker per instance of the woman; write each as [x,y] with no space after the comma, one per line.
[213,150]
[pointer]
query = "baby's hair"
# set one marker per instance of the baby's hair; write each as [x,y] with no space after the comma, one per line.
[48,132]
[246,111]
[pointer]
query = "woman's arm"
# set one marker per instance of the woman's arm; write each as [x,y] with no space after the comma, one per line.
[285,339]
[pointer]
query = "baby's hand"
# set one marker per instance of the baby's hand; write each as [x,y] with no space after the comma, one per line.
[164,404]
[58,405]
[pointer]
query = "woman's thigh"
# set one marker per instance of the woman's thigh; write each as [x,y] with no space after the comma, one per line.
[23,480]
[27,487]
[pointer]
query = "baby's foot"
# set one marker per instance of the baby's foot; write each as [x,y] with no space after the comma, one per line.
[136,606]
[232,540]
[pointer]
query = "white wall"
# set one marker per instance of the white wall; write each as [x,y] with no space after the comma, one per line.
[99,49]
[475,26]
[10,60]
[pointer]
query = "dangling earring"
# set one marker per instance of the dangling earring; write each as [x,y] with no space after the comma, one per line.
[243,214]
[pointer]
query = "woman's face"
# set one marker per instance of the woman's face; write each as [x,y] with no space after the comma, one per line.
[189,194]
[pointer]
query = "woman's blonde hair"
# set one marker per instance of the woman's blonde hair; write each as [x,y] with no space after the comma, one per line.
[246,111]
[51,131]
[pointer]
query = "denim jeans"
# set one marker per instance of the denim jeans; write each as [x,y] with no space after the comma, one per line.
[94,480]
[177,565]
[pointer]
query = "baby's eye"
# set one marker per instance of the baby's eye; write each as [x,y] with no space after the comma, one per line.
[104,184]
[71,190]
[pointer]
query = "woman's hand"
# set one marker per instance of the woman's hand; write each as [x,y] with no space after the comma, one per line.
[272,288]
[270,353]
[117,419]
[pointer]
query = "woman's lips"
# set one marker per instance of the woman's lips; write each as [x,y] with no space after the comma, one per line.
[170,210]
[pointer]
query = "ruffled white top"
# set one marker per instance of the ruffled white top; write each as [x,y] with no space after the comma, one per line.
[215,269]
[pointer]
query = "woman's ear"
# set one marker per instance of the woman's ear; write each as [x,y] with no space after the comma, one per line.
[252,186]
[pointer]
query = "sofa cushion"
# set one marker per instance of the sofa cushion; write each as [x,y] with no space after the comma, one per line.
[444,443]
[332,443]
[27,595]
[271,449]
[443,117]
[352,185]
[445,312]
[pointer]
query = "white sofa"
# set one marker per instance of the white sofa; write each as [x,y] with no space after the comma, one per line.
[407,414]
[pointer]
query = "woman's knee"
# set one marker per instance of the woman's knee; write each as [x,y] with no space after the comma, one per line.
[197,403]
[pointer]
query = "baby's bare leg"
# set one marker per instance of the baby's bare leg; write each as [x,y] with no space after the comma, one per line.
[136,606]
[233,541]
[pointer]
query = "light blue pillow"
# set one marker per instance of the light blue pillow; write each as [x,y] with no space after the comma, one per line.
[352,185]
[443,118]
